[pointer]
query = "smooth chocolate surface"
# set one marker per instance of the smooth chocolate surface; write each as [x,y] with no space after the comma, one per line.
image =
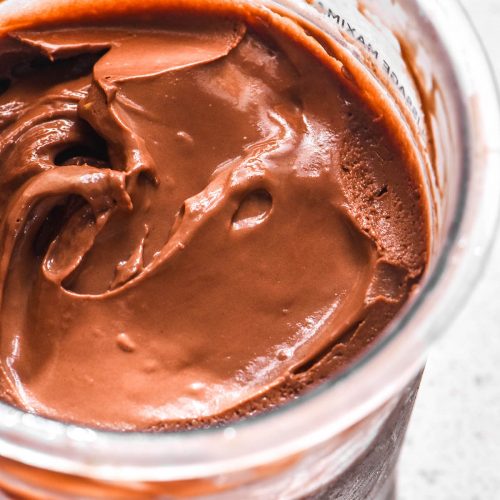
[199,220]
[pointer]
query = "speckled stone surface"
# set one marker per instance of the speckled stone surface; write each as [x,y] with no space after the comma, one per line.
[453,446]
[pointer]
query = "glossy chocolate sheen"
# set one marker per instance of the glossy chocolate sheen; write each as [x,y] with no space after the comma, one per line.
[199,220]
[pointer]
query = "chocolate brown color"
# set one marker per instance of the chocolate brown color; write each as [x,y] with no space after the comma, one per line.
[200,219]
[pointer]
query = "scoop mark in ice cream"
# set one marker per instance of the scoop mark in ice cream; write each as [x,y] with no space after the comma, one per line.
[199,221]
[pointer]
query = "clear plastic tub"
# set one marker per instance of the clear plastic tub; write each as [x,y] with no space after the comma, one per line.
[342,440]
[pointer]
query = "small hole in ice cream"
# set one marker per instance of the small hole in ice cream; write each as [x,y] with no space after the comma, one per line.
[253,210]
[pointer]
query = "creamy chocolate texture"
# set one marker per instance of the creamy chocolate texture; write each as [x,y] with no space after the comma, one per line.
[199,220]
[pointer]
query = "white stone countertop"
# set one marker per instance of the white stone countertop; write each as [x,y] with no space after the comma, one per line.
[453,446]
